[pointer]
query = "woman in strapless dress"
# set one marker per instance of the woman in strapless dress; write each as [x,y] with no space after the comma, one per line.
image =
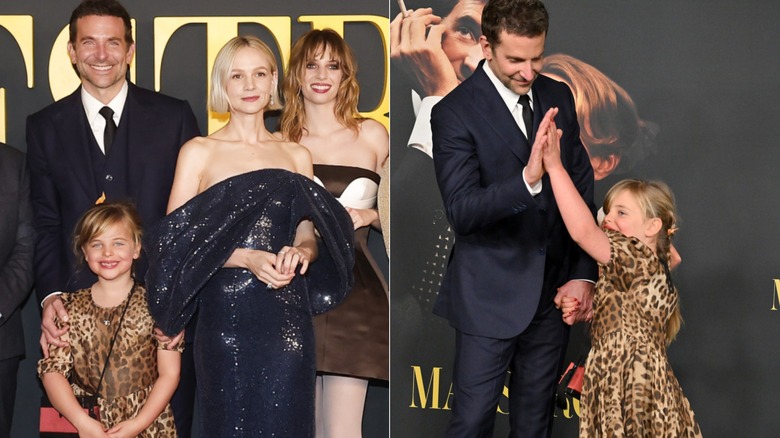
[348,151]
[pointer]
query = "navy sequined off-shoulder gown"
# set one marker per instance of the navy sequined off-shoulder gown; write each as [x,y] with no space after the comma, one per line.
[254,347]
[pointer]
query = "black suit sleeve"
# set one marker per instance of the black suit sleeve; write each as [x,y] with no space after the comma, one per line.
[16,272]
[471,204]
[50,261]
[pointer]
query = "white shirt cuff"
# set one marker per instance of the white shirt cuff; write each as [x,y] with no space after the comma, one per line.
[48,296]
[535,189]
[421,137]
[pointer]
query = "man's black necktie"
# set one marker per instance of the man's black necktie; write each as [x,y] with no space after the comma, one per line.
[108,134]
[528,115]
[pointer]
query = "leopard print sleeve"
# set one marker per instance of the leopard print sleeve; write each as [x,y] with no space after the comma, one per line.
[60,359]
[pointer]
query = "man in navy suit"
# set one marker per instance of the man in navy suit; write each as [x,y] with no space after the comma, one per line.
[512,258]
[74,162]
[16,273]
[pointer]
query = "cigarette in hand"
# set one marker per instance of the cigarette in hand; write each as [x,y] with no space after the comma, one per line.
[402,6]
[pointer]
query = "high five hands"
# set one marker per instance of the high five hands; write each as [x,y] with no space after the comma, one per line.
[546,151]
[574,298]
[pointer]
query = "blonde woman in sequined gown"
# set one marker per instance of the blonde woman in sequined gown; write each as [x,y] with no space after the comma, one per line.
[239,248]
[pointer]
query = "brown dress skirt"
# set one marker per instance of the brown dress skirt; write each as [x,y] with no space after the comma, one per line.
[353,339]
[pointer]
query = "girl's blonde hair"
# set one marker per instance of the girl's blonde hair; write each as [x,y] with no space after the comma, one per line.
[98,218]
[656,201]
[218,100]
[313,45]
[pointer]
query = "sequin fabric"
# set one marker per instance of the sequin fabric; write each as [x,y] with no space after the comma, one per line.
[254,347]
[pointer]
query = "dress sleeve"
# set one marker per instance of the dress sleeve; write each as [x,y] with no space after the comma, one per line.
[60,359]
[164,345]
[629,259]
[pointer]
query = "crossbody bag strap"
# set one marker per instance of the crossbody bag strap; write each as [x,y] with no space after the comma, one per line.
[113,339]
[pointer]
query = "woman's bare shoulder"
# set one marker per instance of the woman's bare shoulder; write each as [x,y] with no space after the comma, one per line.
[373,129]
[375,136]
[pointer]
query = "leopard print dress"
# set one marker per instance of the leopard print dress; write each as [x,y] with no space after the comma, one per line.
[132,370]
[629,388]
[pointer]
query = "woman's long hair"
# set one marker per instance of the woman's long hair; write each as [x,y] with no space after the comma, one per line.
[313,45]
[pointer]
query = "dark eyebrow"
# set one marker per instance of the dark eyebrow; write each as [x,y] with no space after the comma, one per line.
[469,21]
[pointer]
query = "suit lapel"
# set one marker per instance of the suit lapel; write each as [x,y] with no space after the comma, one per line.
[494,112]
[73,130]
[137,120]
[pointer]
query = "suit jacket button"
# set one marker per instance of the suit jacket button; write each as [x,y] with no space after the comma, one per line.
[541,251]
[109,178]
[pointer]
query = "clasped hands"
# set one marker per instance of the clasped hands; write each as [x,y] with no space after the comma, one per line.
[277,270]
[575,300]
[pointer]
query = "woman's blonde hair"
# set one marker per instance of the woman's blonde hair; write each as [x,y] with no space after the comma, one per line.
[656,201]
[98,218]
[312,45]
[218,100]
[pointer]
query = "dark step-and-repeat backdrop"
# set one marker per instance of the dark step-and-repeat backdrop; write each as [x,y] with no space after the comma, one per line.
[684,91]
[176,43]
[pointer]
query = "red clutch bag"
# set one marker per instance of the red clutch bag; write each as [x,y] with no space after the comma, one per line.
[53,424]
[570,382]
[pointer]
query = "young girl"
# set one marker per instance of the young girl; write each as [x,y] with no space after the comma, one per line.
[140,375]
[629,387]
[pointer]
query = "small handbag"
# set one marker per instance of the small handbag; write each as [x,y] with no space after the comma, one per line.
[570,382]
[52,424]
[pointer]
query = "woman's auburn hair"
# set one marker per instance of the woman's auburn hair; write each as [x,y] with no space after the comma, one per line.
[313,45]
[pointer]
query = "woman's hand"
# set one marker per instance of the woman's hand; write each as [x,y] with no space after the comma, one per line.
[265,267]
[289,257]
[363,217]
[168,342]
[261,264]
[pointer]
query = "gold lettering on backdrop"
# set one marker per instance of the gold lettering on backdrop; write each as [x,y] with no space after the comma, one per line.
[428,396]
[382,24]
[21,29]
[450,394]
[775,294]
[572,408]
[218,31]
[432,391]
[505,395]
[63,80]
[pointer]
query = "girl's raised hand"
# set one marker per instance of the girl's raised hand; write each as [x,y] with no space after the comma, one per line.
[552,146]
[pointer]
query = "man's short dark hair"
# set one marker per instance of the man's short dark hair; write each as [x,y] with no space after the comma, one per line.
[102,8]
[526,18]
